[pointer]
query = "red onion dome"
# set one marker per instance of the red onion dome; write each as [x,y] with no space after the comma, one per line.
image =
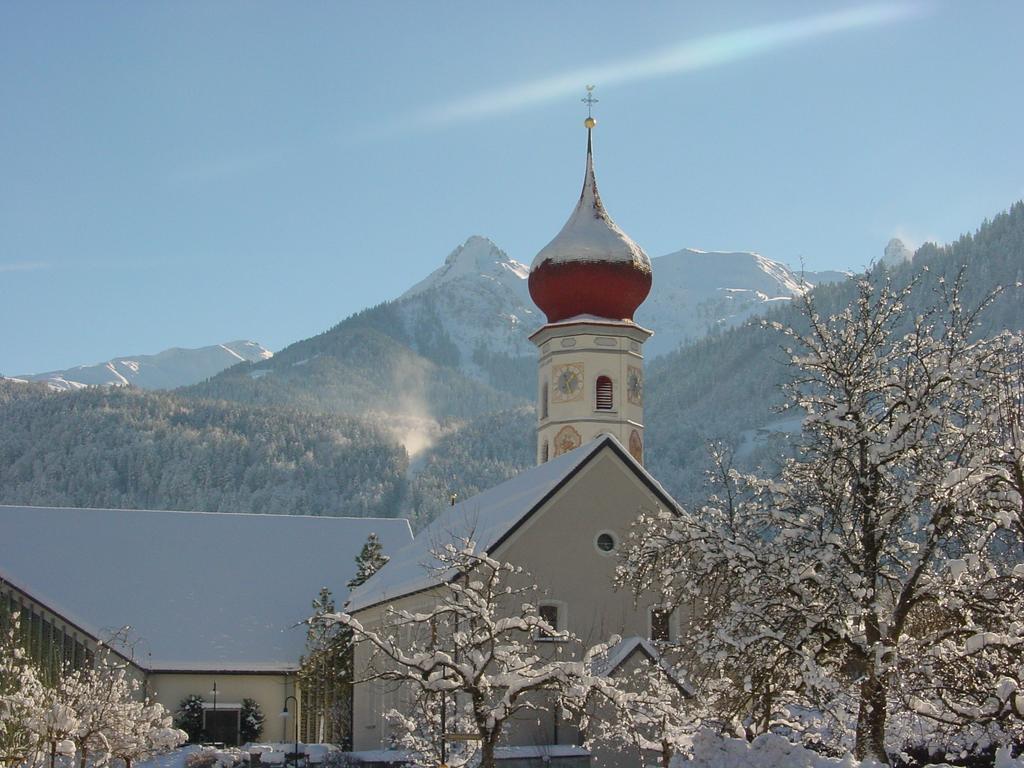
[591,267]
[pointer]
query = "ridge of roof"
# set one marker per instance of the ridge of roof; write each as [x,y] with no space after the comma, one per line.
[270,515]
[622,651]
[489,519]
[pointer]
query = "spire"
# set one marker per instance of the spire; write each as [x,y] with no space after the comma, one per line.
[591,267]
[590,235]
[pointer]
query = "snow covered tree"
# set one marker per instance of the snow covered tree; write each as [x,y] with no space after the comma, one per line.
[371,558]
[21,695]
[472,659]
[190,717]
[251,719]
[325,676]
[101,710]
[870,575]
[142,729]
[648,710]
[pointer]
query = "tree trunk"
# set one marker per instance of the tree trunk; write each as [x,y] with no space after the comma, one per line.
[871,718]
[487,753]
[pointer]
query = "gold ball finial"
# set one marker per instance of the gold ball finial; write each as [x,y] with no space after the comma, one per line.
[590,123]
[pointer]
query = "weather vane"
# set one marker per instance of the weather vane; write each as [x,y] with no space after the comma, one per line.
[590,101]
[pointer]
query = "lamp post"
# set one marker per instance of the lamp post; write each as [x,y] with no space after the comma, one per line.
[284,713]
[214,694]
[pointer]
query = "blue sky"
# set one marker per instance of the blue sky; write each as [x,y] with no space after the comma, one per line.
[180,174]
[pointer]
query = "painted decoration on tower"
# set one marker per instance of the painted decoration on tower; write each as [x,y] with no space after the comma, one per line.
[636,446]
[566,440]
[568,382]
[635,385]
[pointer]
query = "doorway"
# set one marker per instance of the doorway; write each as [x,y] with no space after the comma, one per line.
[221,725]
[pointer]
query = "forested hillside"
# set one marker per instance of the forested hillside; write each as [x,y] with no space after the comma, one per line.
[124,448]
[727,387]
[364,364]
[316,429]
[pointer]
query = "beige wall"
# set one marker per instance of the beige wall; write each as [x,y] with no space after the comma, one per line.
[557,547]
[168,689]
[269,690]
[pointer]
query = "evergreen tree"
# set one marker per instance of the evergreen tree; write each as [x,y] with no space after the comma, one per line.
[325,677]
[371,558]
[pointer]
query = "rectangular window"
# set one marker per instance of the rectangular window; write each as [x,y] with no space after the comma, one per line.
[550,613]
[661,628]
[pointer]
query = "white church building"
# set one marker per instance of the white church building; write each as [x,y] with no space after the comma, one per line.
[565,520]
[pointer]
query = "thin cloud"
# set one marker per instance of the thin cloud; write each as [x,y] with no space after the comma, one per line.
[688,56]
[23,266]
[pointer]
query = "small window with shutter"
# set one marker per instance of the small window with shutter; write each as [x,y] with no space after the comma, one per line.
[604,393]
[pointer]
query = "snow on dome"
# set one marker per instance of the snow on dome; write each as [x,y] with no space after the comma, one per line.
[591,266]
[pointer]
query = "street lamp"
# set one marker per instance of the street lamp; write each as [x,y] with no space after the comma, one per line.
[205,727]
[284,713]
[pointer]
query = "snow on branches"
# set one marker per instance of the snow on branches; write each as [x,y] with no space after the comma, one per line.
[880,573]
[472,660]
[93,714]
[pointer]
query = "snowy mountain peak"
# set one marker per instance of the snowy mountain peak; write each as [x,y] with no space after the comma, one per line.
[175,367]
[896,253]
[477,257]
[697,291]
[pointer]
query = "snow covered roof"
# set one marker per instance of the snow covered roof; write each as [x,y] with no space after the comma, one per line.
[619,653]
[201,591]
[590,234]
[488,519]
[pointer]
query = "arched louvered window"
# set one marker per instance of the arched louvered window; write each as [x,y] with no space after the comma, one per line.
[544,452]
[544,401]
[604,393]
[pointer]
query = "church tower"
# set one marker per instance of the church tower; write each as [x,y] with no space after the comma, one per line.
[589,281]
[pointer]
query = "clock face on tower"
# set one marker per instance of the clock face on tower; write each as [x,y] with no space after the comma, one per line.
[635,385]
[568,382]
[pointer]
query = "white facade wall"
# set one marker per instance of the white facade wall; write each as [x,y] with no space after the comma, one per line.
[557,547]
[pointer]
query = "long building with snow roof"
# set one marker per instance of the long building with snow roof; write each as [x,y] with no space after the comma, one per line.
[212,601]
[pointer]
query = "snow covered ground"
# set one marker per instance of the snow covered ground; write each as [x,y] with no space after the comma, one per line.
[710,751]
[771,751]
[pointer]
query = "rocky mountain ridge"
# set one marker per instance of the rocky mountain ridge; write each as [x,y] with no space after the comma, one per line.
[175,367]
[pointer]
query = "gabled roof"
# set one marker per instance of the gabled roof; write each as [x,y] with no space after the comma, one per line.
[626,648]
[201,591]
[487,519]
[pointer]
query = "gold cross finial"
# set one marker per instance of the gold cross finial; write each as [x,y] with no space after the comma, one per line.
[590,101]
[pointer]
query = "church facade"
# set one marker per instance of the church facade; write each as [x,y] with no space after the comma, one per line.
[565,520]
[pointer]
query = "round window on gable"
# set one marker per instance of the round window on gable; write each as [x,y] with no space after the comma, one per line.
[606,542]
